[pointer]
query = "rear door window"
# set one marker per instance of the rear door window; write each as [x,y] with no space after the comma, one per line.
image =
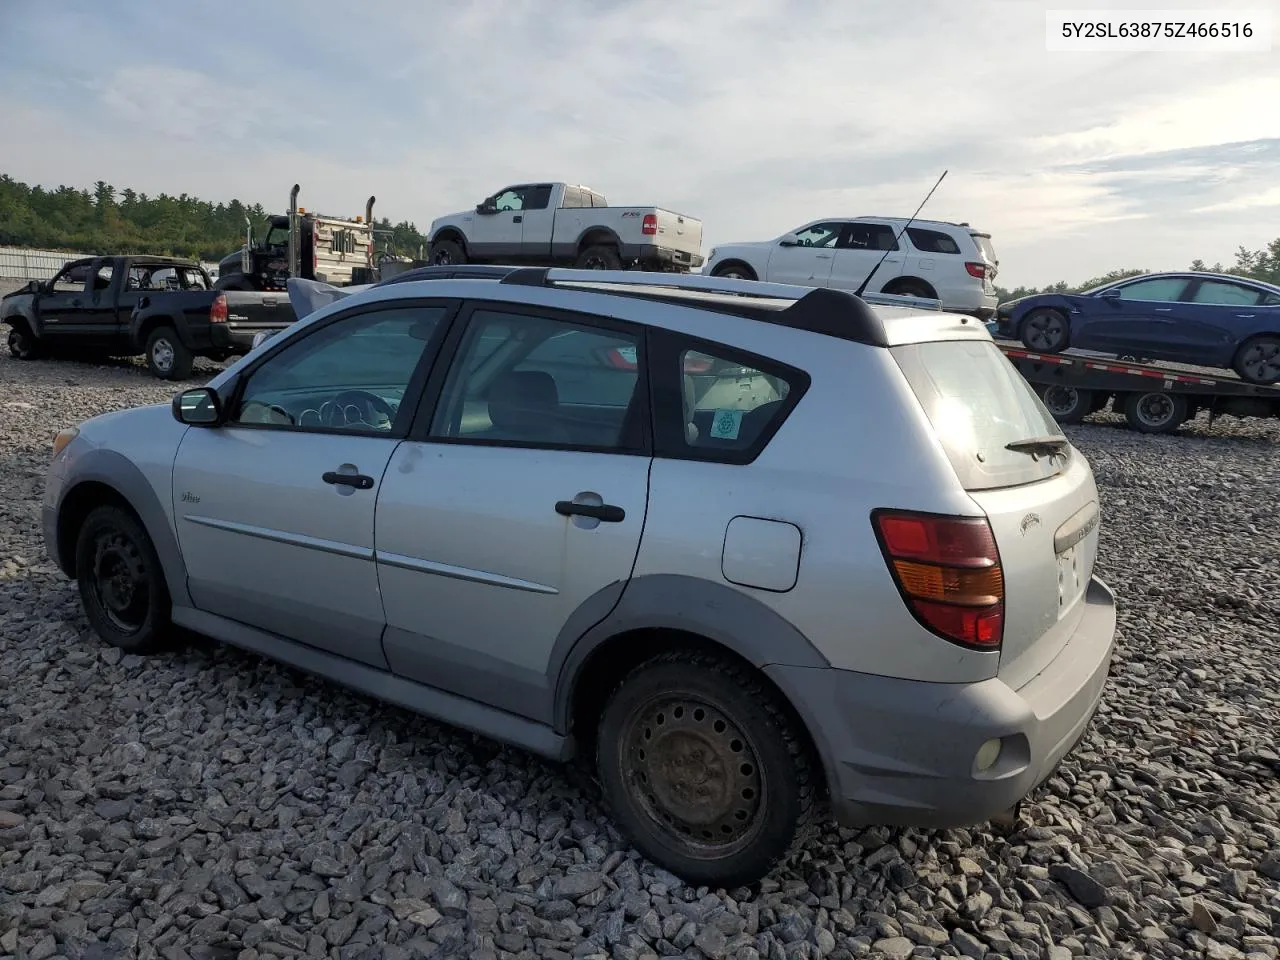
[977,403]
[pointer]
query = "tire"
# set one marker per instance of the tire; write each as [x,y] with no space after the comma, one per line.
[1045,331]
[1258,360]
[121,582]
[599,256]
[911,288]
[714,714]
[22,342]
[167,356]
[734,270]
[1155,411]
[446,253]
[1068,404]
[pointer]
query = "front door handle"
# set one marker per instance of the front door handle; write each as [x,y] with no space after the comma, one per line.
[1246,316]
[605,512]
[1164,310]
[75,303]
[517,219]
[357,480]
[822,256]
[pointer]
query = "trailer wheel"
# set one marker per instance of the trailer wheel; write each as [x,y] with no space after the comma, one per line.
[1045,331]
[1068,404]
[1155,412]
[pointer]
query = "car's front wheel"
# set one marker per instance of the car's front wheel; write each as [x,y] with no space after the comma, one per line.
[734,270]
[1258,360]
[1046,331]
[22,343]
[121,582]
[704,769]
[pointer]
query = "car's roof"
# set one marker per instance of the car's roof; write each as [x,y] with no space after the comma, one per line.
[1191,275]
[821,310]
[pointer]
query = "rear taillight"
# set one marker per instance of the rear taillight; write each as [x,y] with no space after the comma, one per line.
[649,226]
[978,270]
[218,312]
[948,570]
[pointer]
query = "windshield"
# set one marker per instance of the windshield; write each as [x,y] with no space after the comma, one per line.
[977,403]
[276,236]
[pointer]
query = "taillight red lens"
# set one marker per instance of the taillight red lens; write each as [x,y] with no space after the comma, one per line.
[978,270]
[218,312]
[649,226]
[948,571]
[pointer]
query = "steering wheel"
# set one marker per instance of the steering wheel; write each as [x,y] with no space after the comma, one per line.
[356,398]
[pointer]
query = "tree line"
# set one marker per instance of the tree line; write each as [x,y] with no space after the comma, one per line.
[105,220]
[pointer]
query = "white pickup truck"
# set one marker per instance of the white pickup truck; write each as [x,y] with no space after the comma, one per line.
[560,224]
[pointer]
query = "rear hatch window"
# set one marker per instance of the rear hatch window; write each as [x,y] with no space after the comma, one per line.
[985,245]
[978,404]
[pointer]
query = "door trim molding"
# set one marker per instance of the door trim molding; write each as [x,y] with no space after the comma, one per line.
[282,536]
[418,565]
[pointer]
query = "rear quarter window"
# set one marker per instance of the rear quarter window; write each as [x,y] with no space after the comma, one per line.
[932,241]
[977,402]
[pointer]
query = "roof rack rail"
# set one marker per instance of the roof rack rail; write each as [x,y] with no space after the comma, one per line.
[835,313]
[550,276]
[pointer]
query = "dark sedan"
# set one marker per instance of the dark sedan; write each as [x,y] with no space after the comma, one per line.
[1209,319]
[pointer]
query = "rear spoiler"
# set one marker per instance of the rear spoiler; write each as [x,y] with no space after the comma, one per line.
[308,296]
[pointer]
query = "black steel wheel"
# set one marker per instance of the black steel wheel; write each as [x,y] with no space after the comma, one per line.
[1046,331]
[121,583]
[704,769]
[1258,360]
[1156,411]
[1067,404]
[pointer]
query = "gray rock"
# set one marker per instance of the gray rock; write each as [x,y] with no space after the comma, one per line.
[895,948]
[1085,889]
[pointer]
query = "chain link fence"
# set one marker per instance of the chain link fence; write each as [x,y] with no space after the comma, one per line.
[20,264]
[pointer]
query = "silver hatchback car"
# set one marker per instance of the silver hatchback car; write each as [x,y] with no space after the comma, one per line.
[753,550]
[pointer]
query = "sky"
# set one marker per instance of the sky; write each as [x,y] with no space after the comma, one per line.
[755,116]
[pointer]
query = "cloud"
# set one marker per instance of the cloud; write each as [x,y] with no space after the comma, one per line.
[754,115]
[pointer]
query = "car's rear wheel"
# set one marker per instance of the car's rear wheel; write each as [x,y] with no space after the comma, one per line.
[22,343]
[704,769]
[167,356]
[734,270]
[1258,360]
[1068,404]
[1045,330]
[121,582]
[1155,411]
[911,288]
[599,256]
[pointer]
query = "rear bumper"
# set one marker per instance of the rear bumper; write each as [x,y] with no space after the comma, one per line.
[234,338]
[902,752]
[651,254]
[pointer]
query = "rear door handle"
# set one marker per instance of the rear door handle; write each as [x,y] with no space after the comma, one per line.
[517,219]
[1246,316]
[357,480]
[606,512]
[75,303]
[822,256]
[1164,310]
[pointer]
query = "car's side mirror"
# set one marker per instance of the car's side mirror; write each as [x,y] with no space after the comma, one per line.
[1110,294]
[198,407]
[486,207]
[789,242]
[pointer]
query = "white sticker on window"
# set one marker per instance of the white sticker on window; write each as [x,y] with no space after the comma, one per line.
[725,424]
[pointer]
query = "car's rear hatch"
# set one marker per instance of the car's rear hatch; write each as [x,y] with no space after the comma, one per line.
[988,251]
[1040,498]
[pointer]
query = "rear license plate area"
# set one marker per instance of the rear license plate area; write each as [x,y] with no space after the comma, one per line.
[1071,578]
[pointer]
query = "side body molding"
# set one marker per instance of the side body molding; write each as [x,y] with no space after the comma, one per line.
[98,465]
[731,617]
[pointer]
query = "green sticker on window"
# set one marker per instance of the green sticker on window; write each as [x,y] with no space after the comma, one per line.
[725,424]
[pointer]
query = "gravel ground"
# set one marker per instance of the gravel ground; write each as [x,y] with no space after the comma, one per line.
[209,804]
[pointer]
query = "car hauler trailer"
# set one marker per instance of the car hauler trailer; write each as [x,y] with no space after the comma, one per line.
[1153,398]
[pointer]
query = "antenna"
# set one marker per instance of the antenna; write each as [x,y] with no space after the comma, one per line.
[867,279]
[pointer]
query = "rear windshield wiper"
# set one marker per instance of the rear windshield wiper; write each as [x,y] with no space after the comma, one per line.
[1035,446]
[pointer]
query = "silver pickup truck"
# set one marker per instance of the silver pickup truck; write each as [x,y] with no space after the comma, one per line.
[560,224]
